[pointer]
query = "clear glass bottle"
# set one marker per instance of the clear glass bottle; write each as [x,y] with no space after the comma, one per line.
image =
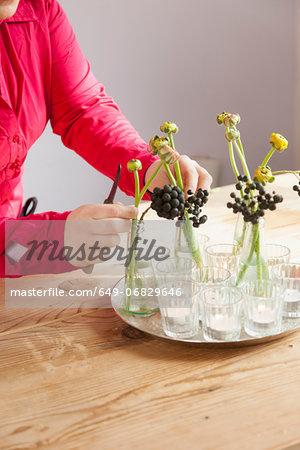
[140,279]
[253,261]
[190,244]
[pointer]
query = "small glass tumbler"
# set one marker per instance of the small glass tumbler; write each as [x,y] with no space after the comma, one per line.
[262,307]
[226,256]
[173,268]
[288,275]
[208,276]
[178,301]
[277,254]
[222,311]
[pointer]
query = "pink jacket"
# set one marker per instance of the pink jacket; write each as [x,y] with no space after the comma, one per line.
[43,76]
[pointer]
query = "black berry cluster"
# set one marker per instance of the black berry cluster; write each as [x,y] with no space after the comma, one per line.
[170,202]
[194,203]
[297,188]
[254,200]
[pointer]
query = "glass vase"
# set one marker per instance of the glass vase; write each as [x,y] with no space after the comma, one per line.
[253,261]
[140,279]
[190,244]
[239,230]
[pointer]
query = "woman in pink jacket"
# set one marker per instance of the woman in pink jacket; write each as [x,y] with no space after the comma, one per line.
[44,76]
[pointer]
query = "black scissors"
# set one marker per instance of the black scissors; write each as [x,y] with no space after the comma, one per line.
[111,196]
[108,201]
[29,207]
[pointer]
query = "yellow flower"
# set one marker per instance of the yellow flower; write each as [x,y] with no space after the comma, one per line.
[169,127]
[134,164]
[278,141]
[263,175]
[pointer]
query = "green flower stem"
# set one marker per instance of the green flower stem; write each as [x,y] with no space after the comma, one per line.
[265,161]
[232,160]
[188,229]
[137,188]
[141,195]
[170,175]
[243,161]
[176,165]
[241,146]
[130,271]
[262,267]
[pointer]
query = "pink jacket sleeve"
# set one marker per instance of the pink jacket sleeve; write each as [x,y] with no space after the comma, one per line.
[85,117]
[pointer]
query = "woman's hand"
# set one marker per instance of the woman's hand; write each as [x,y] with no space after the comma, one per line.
[96,226]
[193,175]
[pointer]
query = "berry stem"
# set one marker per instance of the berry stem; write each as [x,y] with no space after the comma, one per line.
[294,172]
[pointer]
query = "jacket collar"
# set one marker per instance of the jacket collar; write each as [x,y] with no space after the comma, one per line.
[24,13]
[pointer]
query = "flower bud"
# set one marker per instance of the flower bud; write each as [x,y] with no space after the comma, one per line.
[169,127]
[157,143]
[134,164]
[278,141]
[221,117]
[231,120]
[263,175]
[232,135]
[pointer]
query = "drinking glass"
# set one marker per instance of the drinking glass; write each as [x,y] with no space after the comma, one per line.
[178,308]
[277,254]
[207,276]
[263,300]
[226,256]
[221,313]
[288,275]
[171,268]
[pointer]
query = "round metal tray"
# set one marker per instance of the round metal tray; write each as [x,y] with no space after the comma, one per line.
[153,326]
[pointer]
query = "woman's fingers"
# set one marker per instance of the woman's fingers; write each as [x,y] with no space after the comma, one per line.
[204,178]
[193,175]
[114,211]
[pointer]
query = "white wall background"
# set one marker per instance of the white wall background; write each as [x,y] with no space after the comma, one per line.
[183,61]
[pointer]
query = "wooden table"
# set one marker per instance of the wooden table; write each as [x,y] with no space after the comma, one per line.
[81,379]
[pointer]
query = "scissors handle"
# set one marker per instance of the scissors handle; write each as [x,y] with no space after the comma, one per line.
[29,207]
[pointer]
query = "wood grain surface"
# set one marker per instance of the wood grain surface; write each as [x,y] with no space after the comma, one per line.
[82,379]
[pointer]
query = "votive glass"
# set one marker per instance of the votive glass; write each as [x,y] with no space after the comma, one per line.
[178,308]
[173,268]
[221,313]
[208,276]
[226,256]
[277,254]
[288,275]
[263,300]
